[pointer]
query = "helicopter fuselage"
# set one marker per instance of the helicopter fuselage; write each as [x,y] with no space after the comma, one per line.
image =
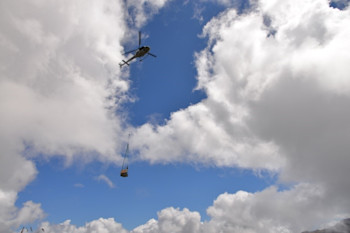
[142,51]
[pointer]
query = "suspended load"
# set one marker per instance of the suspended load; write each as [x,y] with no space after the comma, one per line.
[124,170]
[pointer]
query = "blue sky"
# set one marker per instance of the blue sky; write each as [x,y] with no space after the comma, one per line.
[228,119]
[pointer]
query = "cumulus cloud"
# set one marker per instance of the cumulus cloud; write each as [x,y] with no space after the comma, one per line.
[60,87]
[192,135]
[277,87]
[266,211]
[215,131]
[340,227]
[270,210]
[265,92]
[100,225]
[11,216]
[169,220]
[308,118]
[172,220]
[57,84]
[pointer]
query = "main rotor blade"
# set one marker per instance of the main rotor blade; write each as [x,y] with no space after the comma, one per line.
[130,51]
[139,39]
[152,55]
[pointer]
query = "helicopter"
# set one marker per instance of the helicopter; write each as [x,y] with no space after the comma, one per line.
[140,52]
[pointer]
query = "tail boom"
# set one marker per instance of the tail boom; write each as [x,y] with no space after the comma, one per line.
[124,63]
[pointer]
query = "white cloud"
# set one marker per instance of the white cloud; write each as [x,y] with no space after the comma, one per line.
[269,210]
[97,226]
[15,173]
[12,217]
[247,74]
[277,88]
[149,227]
[105,179]
[176,220]
[193,135]
[172,220]
[215,131]
[295,210]
[60,86]
[55,89]
[169,220]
